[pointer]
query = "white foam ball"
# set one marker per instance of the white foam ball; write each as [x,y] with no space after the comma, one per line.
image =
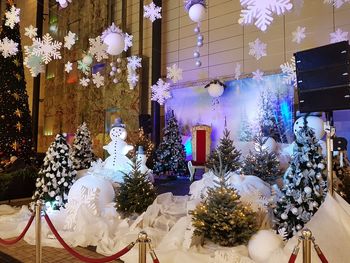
[197,13]
[115,43]
[314,122]
[263,244]
[215,90]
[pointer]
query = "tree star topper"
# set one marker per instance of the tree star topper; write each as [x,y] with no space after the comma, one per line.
[152,12]
[261,11]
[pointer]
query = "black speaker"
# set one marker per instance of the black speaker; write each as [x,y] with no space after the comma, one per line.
[323,78]
[145,122]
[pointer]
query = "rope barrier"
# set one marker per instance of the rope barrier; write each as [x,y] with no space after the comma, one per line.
[295,252]
[81,257]
[152,253]
[319,253]
[13,241]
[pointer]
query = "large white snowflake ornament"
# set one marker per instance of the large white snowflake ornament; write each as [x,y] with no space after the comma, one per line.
[98,48]
[161,92]
[338,36]
[134,62]
[152,12]
[69,40]
[30,31]
[289,71]
[128,41]
[174,73]
[299,34]
[257,49]
[12,17]
[238,72]
[258,75]
[8,47]
[33,62]
[98,79]
[68,67]
[47,48]
[336,3]
[261,11]
[84,82]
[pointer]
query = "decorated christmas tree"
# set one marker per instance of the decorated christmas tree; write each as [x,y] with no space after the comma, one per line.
[262,163]
[136,193]
[56,176]
[246,129]
[229,154]
[343,176]
[15,119]
[305,185]
[222,217]
[81,153]
[170,154]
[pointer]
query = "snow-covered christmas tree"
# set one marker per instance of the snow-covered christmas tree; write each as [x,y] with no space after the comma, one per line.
[262,163]
[342,173]
[228,152]
[305,185]
[56,176]
[136,192]
[245,129]
[81,153]
[170,154]
[222,217]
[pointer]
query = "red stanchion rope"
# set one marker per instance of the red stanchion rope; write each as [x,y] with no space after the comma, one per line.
[320,254]
[13,241]
[81,257]
[292,258]
[156,260]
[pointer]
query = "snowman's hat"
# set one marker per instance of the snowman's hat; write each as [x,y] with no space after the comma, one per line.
[140,150]
[118,123]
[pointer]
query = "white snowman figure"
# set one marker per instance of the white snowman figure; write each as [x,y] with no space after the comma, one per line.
[142,159]
[118,148]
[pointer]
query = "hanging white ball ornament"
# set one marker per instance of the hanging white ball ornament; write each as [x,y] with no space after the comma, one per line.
[215,90]
[197,13]
[307,190]
[115,81]
[197,29]
[87,60]
[284,216]
[314,122]
[112,73]
[200,38]
[119,70]
[198,63]
[63,3]
[199,44]
[115,43]
[196,54]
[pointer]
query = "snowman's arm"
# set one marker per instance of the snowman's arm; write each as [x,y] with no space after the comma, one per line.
[127,149]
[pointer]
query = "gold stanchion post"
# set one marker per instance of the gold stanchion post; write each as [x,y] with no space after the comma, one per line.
[38,252]
[307,239]
[143,240]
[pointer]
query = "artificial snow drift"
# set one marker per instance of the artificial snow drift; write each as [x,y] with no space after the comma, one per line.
[169,226]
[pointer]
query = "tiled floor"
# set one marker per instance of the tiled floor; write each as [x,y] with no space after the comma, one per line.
[24,253]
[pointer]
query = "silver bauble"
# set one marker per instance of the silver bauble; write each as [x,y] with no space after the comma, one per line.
[200,38]
[199,44]
[198,63]
[196,54]
[197,29]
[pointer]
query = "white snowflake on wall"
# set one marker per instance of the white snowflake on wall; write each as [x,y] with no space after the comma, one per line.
[174,73]
[258,75]
[69,40]
[8,47]
[161,92]
[68,67]
[288,70]
[238,71]
[30,31]
[261,11]
[299,34]
[134,62]
[257,49]
[98,48]
[98,79]
[338,36]
[128,41]
[336,3]
[84,82]
[12,17]
[152,12]
[47,48]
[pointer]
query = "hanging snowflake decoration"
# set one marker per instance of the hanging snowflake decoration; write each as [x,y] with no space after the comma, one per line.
[30,32]
[134,62]
[98,79]
[97,48]
[336,3]
[32,62]
[174,73]
[69,40]
[338,36]
[288,69]
[47,48]
[83,67]
[8,47]
[112,29]
[128,41]
[84,82]
[261,11]
[133,79]
[12,17]
[238,71]
[257,49]
[258,75]
[299,34]
[152,12]
[68,67]
[161,92]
